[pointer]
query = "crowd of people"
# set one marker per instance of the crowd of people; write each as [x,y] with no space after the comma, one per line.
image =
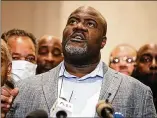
[35,73]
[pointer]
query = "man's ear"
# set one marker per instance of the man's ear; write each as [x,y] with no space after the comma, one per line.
[103,43]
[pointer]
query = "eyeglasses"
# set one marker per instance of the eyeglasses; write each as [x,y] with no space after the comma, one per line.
[117,60]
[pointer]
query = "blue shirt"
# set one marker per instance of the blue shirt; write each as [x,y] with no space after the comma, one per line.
[82,92]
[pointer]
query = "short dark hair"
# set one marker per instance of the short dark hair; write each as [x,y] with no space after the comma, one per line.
[18,32]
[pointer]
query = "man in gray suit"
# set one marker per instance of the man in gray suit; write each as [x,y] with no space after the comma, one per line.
[82,78]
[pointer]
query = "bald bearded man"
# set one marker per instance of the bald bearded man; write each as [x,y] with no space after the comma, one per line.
[146,68]
[82,78]
[122,58]
[49,53]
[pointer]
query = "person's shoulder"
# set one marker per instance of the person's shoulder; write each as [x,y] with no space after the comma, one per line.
[129,81]
[35,80]
[38,80]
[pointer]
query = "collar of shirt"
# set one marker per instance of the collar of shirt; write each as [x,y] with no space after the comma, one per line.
[98,71]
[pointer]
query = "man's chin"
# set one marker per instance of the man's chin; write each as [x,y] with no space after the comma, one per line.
[149,78]
[153,75]
[47,69]
[124,72]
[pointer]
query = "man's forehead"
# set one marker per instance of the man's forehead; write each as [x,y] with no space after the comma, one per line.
[124,50]
[148,47]
[49,40]
[45,39]
[86,10]
[19,40]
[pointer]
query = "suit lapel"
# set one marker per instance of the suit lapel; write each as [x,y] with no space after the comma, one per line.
[110,84]
[50,88]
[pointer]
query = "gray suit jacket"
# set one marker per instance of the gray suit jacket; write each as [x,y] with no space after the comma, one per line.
[128,96]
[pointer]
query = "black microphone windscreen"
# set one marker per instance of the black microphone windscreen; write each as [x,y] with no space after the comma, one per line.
[61,114]
[37,114]
[106,113]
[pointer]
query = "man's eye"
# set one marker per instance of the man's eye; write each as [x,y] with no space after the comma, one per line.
[145,59]
[16,58]
[42,52]
[72,22]
[129,60]
[115,60]
[30,59]
[57,53]
[90,24]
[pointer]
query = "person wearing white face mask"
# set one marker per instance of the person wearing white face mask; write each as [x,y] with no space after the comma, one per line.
[23,50]
[22,69]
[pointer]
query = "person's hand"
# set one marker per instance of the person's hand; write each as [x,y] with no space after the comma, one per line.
[7,97]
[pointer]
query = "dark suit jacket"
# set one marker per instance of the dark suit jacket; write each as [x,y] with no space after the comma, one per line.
[128,96]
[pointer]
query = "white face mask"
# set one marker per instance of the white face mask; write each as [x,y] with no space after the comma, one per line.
[22,69]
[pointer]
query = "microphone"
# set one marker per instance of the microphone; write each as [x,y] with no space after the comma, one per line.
[61,109]
[10,84]
[104,109]
[61,114]
[37,114]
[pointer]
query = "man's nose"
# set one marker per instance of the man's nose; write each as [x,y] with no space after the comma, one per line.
[154,64]
[50,58]
[123,62]
[22,58]
[80,26]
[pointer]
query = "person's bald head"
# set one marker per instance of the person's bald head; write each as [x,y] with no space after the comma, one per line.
[49,53]
[84,36]
[122,58]
[49,38]
[5,62]
[124,50]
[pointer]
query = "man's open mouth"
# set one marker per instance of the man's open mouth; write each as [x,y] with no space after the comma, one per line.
[78,37]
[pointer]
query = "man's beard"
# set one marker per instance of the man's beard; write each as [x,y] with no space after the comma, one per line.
[149,79]
[72,50]
[79,55]
[76,55]
[41,68]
